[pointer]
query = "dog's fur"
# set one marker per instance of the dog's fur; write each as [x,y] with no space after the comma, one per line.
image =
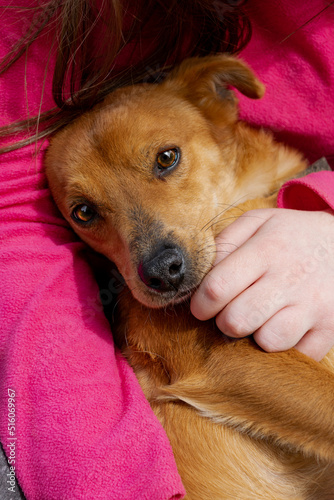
[243,424]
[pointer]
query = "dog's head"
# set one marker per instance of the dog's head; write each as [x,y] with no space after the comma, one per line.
[143,177]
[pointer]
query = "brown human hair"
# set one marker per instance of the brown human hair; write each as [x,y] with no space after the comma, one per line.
[171,30]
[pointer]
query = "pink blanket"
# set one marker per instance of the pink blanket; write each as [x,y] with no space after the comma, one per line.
[82,428]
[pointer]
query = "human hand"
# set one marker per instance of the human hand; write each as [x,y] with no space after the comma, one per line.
[274,277]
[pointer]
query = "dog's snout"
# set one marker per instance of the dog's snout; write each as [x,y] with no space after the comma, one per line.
[164,271]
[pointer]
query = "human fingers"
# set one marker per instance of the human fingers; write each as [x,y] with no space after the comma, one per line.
[283,330]
[241,268]
[247,312]
[227,280]
[316,343]
[234,235]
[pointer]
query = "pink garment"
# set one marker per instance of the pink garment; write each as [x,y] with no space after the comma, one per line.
[313,192]
[83,429]
[296,65]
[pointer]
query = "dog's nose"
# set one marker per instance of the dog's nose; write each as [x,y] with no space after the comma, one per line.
[164,271]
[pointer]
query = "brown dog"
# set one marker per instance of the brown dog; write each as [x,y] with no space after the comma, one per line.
[149,178]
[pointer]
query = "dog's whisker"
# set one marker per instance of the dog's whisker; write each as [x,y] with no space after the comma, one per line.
[212,219]
[127,292]
[126,336]
[215,246]
[220,221]
[228,206]
[213,249]
[224,251]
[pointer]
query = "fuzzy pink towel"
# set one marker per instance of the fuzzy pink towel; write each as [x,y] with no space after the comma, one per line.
[81,428]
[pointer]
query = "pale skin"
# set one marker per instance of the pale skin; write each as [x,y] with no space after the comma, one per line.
[274,277]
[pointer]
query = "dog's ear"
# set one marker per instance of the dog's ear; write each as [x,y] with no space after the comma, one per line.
[206,81]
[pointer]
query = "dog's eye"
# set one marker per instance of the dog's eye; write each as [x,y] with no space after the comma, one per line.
[83,213]
[166,160]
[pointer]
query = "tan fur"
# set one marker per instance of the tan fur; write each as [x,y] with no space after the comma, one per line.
[243,424]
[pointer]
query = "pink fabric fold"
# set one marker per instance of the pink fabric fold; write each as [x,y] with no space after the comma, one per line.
[313,192]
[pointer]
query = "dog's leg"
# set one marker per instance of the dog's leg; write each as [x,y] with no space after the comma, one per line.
[286,397]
